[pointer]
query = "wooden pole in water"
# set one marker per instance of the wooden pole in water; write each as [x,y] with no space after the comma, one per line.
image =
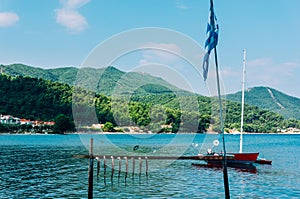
[98,166]
[90,177]
[140,166]
[120,167]
[126,173]
[112,168]
[104,165]
[133,165]
[146,158]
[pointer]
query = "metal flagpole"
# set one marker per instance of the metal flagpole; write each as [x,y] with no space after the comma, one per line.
[90,176]
[211,43]
[225,173]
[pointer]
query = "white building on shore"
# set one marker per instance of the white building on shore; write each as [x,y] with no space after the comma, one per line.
[8,119]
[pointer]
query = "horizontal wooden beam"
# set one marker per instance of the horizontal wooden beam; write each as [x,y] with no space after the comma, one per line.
[199,157]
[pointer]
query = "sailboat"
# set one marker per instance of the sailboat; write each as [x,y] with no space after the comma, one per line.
[240,158]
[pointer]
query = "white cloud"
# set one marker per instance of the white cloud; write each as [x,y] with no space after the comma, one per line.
[69,16]
[182,6]
[143,62]
[8,19]
[291,64]
[268,67]
[268,72]
[74,4]
[260,62]
[263,72]
[165,53]
[230,72]
[163,46]
[71,19]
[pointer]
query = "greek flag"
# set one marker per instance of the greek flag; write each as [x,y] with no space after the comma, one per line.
[212,38]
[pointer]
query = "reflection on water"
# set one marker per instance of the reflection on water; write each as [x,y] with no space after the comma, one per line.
[40,172]
[46,169]
[238,167]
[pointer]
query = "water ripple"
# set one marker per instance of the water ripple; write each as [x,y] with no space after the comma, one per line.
[49,171]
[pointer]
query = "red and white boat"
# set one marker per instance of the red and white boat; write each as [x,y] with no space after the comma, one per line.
[240,157]
[243,158]
[246,158]
[232,158]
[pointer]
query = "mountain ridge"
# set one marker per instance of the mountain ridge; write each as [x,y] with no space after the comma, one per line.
[270,99]
[39,99]
[114,81]
[111,78]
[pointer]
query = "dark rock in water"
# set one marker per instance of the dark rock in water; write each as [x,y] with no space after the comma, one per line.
[136,147]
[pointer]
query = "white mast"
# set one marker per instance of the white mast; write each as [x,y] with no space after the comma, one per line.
[243,96]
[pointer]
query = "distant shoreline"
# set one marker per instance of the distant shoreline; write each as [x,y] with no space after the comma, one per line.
[120,133]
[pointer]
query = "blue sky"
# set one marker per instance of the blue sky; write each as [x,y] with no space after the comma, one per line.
[59,33]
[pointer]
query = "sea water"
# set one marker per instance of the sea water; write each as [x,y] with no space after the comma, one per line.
[43,166]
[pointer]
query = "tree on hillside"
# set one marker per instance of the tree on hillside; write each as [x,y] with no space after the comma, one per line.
[63,124]
[108,127]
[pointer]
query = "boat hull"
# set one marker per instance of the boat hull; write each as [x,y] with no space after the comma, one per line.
[244,158]
[263,161]
[234,158]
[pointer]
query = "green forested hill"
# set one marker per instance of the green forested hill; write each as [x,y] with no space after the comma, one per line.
[34,99]
[102,80]
[39,99]
[270,99]
[151,104]
[24,70]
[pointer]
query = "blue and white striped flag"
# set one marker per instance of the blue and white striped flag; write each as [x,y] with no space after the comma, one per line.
[212,40]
